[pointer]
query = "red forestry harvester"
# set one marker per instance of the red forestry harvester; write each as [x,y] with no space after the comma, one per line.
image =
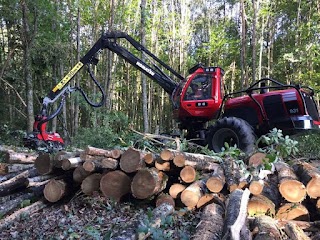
[197,99]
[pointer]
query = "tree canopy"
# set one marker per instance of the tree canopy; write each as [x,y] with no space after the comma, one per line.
[40,41]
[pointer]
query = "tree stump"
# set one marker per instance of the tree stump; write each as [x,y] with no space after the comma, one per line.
[148,182]
[115,184]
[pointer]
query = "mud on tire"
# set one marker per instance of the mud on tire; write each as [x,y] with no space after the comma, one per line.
[234,131]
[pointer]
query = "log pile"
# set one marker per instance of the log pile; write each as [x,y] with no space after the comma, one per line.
[235,205]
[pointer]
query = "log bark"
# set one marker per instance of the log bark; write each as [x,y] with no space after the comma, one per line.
[310,177]
[114,153]
[148,182]
[188,174]
[293,211]
[115,185]
[132,160]
[71,163]
[192,194]
[26,210]
[294,232]
[20,157]
[91,184]
[290,187]
[271,190]
[176,189]
[216,181]
[13,168]
[98,165]
[211,223]
[55,190]
[198,161]
[16,182]
[261,205]
[79,174]
[265,228]
[232,173]
[236,214]
[33,181]
[9,206]
[57,159]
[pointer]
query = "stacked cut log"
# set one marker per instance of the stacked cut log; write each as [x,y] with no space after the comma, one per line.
[221,187]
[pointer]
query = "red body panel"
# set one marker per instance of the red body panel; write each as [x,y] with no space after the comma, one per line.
[205,108]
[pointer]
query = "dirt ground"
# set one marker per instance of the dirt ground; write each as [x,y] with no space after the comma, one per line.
[84,217]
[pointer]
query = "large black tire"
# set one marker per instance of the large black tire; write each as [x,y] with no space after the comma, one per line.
[234,131]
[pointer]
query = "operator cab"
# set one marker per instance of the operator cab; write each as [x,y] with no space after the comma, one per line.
[199,96]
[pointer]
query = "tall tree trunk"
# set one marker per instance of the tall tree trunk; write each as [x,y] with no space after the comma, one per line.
[143,76]
[254,40]
[27,43]
[77,83]
[107,86]
[243,44]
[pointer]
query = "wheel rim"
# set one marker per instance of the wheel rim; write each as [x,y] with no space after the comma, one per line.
[224,135]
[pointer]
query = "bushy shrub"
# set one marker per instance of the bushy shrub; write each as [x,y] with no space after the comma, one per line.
[309,145]
[113,131]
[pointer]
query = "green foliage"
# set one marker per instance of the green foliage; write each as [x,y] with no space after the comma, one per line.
[112,132]
[9,136]
[309,145]
[277,145]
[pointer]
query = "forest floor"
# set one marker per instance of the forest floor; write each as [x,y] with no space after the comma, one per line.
[84,217]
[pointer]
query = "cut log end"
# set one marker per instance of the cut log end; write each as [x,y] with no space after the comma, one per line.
[91,184]
[313,188]
[293,190]
[176,189]
[293,211]
[256,187]
[214,184]
[54,190]
[166,155]
[179,160]
[43,164]
[260,205]
[115,184]
[165,199]
[188,174]
[148,182]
